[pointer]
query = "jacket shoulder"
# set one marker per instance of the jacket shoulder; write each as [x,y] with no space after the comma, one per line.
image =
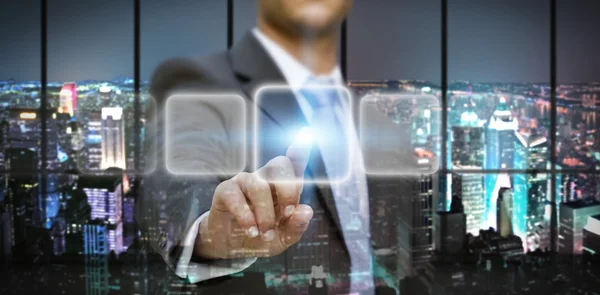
[208,71]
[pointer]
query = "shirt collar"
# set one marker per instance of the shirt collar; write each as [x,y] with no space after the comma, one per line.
[294,72]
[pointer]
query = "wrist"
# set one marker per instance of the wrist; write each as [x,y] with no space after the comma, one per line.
[204,247]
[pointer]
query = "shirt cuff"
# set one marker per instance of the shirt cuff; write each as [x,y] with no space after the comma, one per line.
[196,272]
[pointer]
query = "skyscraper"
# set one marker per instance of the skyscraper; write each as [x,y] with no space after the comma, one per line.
[573,218]
[93,142]
[24,131]
[499,151]
[415,226]
[5,232]
[22,202]
[451,228]
[504,214]
[68,99]
[105,195]
[113,138]
[531,190]
[470,189]
[468,147]
[591,236]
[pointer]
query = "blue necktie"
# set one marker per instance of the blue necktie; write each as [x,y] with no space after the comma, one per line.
[327,129]
[346,184]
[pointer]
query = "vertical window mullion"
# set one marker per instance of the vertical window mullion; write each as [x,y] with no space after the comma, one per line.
[553,159]
[136,81]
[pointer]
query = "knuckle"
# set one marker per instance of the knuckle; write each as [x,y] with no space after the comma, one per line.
[257,185]
[266,223]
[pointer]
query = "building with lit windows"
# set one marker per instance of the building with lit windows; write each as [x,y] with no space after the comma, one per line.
[531,191]
[499,154]
[591,236]
[93,142]
[470,188]
[105,197]
[68,99]
[113,138]
[451,228]
[22,201]
[415,227]
[573,218]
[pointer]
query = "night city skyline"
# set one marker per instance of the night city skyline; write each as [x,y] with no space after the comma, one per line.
[524,229]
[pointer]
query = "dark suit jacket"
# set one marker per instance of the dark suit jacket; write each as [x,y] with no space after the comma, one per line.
[170,204]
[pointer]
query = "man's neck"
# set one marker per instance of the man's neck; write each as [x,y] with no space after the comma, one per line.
[318,53]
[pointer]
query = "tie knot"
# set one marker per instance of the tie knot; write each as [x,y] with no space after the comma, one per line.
[320,92]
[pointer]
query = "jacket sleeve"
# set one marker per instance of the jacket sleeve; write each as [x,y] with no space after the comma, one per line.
[170,205]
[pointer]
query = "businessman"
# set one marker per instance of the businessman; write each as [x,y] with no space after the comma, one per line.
[208,227]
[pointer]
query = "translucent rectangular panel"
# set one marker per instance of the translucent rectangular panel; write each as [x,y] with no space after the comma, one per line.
[205,134]
[498,71]
[400,134]
[321,121]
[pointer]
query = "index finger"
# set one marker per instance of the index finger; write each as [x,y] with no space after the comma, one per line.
[299,151]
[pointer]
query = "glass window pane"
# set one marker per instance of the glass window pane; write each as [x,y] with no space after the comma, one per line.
[576,193]
[174,29]
[20,126]
[578,74]
[90,69]
[498,72]
[394,47]
[394,40]
[244,18]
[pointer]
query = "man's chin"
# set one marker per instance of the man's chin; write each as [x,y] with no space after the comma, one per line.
[316,19]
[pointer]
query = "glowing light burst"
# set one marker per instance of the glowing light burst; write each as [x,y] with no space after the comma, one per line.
[305,136]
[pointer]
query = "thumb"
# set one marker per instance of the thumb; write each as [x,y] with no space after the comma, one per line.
[294,227]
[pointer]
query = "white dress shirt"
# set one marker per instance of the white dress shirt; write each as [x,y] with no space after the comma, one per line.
[296,75]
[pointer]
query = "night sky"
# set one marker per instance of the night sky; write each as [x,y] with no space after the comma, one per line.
[489,41]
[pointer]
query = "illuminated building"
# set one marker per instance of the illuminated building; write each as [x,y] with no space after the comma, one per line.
[451,228]
[5,232]
[591,236]
[418,196]
[573,218]
[4,133]
[470,189]
[504,216]
[113,138]
[93,142]
[24,131]
[104,195]
[531,191]
[68,99]
[499,152]
[467,146]
[21,199]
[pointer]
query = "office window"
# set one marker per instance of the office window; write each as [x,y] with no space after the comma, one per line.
[90,83]
[393,47]
[20,84]
[244,18]
[21,52]
[169,29]
[578,78]
[394,40]
[498,75]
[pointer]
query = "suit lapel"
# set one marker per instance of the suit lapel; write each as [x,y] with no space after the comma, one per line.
[254,68]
